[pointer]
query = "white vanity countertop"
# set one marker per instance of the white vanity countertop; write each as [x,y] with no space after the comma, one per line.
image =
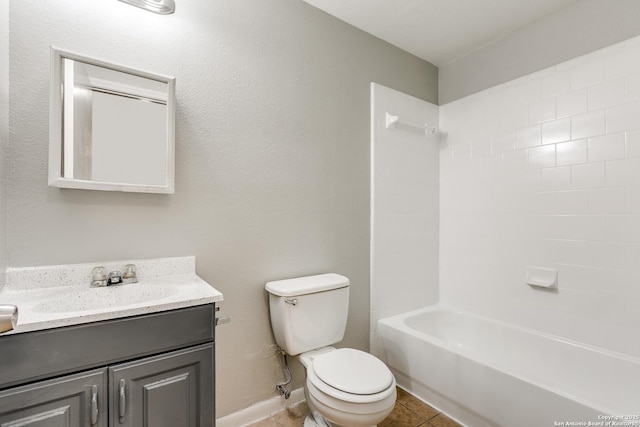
[55,296]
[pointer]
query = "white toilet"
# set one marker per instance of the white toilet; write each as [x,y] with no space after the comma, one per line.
[346,387]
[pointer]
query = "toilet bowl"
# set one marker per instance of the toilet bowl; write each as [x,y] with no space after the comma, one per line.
[348,387]
[344,387]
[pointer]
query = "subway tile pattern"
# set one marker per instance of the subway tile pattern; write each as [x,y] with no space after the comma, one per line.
[408,412]
[557,186]
[404,221]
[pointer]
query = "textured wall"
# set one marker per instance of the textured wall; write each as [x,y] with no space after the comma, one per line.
[4,130]
[577,29]
[545,171]
[272,155]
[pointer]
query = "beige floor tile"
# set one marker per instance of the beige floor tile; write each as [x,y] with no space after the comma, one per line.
[408,412]
[292,417]
[442,420]
[416,405]
[401,416]
[268,422]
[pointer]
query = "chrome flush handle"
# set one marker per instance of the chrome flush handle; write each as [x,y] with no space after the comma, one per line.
[291,301]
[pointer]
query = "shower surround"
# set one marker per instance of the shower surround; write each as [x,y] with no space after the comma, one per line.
[545,171]
[542,171]
[404,206]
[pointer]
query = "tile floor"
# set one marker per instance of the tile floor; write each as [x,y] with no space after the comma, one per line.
[409,412]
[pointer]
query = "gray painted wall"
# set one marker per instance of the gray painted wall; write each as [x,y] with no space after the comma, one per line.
[272,156]
[4,130]
[580,28]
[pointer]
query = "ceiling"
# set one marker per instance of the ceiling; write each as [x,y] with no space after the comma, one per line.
[439,31]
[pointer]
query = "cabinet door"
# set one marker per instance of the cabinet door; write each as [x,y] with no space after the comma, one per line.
[171,390]
[71,401]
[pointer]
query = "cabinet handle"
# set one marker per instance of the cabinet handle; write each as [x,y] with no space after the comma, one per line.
[94,405]
[122,402]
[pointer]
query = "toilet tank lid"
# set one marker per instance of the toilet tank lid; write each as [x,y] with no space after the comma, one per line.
[307,285]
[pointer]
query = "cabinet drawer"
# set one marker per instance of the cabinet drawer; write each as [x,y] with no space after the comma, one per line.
[43,354]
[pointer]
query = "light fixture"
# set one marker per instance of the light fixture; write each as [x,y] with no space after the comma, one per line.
[163,7]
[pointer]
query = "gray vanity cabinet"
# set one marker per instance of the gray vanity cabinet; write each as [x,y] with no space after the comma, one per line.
[71,401]
[153,370]
[164,391]
[170,390]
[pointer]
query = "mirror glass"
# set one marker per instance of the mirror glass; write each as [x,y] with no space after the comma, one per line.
[112,127]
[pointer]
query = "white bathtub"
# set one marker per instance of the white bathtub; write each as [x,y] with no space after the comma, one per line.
[484,372]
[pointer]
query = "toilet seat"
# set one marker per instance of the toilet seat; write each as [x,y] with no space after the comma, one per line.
[351,375]
[352,371]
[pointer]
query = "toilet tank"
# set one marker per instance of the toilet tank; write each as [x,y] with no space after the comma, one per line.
[310,312]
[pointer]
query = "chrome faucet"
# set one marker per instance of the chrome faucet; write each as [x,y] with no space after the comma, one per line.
[99,277]
[115,278]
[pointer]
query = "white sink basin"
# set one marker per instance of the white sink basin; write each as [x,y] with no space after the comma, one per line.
[119,296]
[59,295]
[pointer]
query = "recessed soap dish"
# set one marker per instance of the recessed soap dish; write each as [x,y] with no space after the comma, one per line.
[542,277]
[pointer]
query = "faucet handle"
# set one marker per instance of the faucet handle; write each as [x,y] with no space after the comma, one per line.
[130,274]
[98,277]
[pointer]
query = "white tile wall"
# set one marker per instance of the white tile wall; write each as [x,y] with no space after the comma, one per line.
[529,136]
[572,103]
[633,144]
[405,195]
[571,152]
[607,147]
[588,124]
[560,188]
[543,110]
[556,131]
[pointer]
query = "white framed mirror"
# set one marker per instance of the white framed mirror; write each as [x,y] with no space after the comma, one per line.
[111,127]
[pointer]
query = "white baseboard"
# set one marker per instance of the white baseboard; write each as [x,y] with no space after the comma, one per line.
[260,410]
